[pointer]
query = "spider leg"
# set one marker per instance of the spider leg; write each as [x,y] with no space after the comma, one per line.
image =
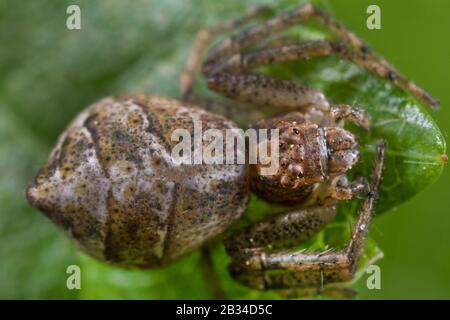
[243,40]
[264,90]
[320,48]
[203,41]
[349,47]
[263,269]
[279,231]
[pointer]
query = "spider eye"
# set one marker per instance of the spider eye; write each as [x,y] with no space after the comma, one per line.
[296,169]
[296,131]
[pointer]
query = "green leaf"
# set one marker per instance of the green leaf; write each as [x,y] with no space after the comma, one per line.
[48,74]
[415,144]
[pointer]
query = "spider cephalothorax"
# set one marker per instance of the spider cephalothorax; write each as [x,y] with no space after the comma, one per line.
[308,154]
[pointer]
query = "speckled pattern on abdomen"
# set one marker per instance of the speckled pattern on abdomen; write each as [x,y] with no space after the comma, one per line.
[111,183]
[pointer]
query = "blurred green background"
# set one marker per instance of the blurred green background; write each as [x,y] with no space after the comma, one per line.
[48,74]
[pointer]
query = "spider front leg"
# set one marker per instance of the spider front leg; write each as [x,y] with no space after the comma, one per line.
[230,51]
[264,90]
[242,62]
[250,246]
[258,267]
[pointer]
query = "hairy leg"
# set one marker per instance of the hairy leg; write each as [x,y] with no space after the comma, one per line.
[318,48]
[263,90]
[280,231]
[245,39]
[263,269]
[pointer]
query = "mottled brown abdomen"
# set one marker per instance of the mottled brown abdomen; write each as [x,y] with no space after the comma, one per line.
[112,184]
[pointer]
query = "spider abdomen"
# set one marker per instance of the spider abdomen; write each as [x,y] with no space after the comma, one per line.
[113,185]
